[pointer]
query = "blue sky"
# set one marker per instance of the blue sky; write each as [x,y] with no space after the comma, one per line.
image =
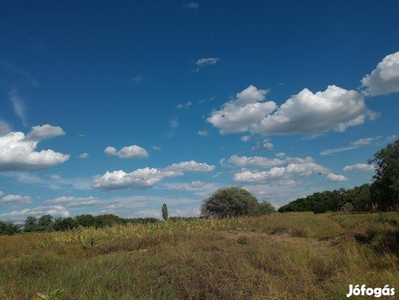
[120,107]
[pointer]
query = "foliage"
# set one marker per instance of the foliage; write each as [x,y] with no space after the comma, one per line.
[322,202]
[65,224]
[229,202]
[385,188]
[30,224]
[85,220]
[7,228]
[262,208]
[164,212]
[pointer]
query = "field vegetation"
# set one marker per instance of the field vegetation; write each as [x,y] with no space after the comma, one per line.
[276,256]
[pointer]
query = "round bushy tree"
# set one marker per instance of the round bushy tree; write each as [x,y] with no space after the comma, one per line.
[229,202]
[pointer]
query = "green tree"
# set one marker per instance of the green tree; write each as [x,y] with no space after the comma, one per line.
[30,224]
[45,223]
[7,228]
[385,188]
[229,202]
[85,220]
[65,224]
[164,212]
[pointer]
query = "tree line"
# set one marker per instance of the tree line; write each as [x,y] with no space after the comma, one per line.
[382,194]
[48,223]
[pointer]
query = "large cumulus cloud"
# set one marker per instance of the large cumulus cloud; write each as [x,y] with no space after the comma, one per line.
[17,151]
[384,79]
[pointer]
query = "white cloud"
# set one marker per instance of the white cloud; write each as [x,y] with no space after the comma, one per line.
[250,95]
[17,153]
[384,79]
[332,177]
[356,144]
[4,128]
[77,201]
[190,166]
[331,151]
[392,137]
[147,177]
[216,175]
[16,199]
[46,131]
[360,168]
[197,187]
[203,132]
[207,61]
[20,216]
[19,106]
[262,146]
[192,5]
[305,113]
[245,138]
[138,179]
[363,142]
[127,152]
[197,184]
[84,155]
[280,154]
[240,114]
[156,148]
[283,175]
[185,106]
[255,161]
[51,181]
[334,109]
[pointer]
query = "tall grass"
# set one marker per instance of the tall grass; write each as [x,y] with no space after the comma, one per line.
[281,256]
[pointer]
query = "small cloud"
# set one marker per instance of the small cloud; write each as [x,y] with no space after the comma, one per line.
[197,184]
[156,148]
[245,138]
[217,174]
[207,61]
[392,137]
[332,177]
[185,106]
[360,168]
[203,132]
[174,123]
[19,106]
[46,131]
[127,152]
[81,135]
[16,199]
[280,154]
[262,146]
[355,145]
[84,155]
[201,101]
[137,79]
[192,5]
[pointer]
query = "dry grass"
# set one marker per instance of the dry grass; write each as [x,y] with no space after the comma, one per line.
[281,256]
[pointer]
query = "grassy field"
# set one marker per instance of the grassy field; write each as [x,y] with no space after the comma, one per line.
[280,256]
